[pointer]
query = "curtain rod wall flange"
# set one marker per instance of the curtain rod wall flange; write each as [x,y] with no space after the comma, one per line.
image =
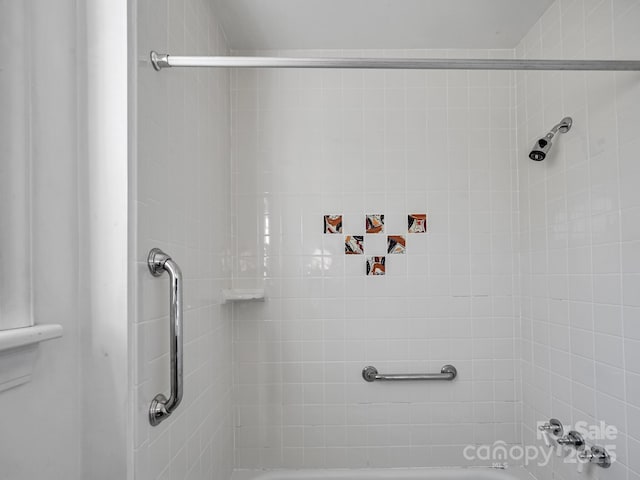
[160,61]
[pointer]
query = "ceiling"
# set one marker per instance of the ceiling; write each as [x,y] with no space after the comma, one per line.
[375,24]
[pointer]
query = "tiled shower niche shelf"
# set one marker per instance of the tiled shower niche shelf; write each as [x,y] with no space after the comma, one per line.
[18,352]
[243,295]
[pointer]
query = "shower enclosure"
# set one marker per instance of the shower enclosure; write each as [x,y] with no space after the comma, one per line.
[492,263]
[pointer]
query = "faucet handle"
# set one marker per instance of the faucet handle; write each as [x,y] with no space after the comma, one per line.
[573,439]
[595,454]
[553,426]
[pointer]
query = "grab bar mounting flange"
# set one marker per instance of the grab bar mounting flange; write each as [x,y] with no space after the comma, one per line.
[156,260]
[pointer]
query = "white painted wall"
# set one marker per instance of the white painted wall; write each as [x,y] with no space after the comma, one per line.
[310,143]
[104,289]
[580,242]
[181,200]
[370,24]
[69,421]
[15,168]
[34,439]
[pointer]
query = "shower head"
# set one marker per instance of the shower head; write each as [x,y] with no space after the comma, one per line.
[543,145]
[540,149]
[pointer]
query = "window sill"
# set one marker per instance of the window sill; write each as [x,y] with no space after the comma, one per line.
[18,352]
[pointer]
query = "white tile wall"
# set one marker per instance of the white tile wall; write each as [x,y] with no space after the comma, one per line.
[183,207]
[453,144]
[309,143]
[579,236]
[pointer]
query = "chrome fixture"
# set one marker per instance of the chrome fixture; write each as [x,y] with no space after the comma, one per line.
[596,455]
[553,427]
[543,145]
[159,60]
[161,407]
[573,439]
[164,60]
[448,372]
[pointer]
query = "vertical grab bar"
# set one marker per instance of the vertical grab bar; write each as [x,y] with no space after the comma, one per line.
[161,407]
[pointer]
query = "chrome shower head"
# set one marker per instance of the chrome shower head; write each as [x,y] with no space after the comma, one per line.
[543,145]
[540,149]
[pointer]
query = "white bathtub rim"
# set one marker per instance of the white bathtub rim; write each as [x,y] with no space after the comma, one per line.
[417,473]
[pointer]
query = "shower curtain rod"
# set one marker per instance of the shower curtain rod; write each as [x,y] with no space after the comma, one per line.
[164,60]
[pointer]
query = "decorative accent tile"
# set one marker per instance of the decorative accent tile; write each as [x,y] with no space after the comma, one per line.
[333,224]
[396,244]
[375,265]
[374,223]
[417,223]
[354,245]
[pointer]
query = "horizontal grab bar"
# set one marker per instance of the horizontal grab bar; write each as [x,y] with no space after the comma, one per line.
[448,372]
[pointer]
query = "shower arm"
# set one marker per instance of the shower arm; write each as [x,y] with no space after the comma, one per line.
[563,127]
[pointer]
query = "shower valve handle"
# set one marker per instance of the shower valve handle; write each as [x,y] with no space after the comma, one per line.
[573,439]
[553,426]
[595,454]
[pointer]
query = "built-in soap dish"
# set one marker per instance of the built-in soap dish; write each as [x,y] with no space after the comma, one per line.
[243,295]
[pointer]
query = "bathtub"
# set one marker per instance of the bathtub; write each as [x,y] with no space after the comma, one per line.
[471,473]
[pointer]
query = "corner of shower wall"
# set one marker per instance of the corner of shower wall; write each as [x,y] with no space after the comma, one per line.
[183,206]
[578,269]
